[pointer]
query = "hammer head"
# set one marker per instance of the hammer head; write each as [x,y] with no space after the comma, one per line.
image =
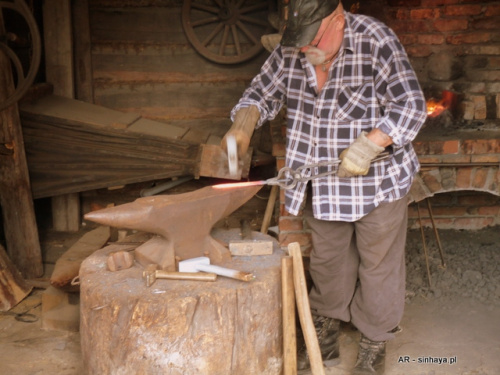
[190,265]
[149,274]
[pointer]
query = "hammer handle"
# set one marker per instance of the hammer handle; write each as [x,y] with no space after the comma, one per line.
[200,276]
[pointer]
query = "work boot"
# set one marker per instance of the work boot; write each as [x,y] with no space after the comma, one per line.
[328,331]
[371,357]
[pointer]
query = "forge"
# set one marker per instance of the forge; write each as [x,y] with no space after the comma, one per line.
[226,326]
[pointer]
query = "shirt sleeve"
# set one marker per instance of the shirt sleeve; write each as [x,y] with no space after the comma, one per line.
[267,89]
[399,93]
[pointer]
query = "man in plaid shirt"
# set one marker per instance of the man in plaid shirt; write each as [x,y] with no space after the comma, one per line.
[350,93]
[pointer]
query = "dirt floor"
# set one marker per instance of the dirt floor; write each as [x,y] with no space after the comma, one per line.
[450,328]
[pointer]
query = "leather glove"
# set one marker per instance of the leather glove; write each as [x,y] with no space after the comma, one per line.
[356,159]
[245,121]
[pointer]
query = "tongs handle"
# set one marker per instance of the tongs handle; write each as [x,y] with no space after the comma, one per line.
[295,175]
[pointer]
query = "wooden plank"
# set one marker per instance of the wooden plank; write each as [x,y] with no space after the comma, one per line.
[165,102]
[55,107]
[157,129]
[158,24]
[58,46]
[82,48]
[68,265]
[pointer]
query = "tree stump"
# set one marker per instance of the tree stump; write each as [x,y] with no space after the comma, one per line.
[183,327]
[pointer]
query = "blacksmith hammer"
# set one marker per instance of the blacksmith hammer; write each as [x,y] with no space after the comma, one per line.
[151,273]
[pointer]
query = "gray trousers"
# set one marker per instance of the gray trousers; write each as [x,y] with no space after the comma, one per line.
[358,269]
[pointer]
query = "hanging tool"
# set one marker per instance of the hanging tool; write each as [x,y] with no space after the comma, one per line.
[288,178]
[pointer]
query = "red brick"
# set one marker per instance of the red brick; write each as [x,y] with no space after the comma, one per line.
[280,163]
[485,23]
[451,25]
[402,14]
[304,239]
[477,199]
[415,26]
[473,223]
[449,211]
[278,149]
[462,10]
[406,3]
[422,14]
[290,223]
[481,146]
[435,3]
[469,38]
[489,211]
[492,10]
[419,51]
[430,39]
[407,39]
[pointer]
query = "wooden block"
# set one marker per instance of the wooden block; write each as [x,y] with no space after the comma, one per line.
[60,310]
[213,163]
[246,248]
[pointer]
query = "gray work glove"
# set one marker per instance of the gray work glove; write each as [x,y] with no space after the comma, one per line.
[245,121]
[357,158]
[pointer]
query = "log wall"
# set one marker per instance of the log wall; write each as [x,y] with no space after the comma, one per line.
[142,62]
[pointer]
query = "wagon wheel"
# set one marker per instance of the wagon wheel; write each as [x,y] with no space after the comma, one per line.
[9,39]
[226,31]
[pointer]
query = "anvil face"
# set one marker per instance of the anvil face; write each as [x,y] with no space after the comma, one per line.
[184,222]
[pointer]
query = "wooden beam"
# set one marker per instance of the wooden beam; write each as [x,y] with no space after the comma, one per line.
[21,233]
[59,71]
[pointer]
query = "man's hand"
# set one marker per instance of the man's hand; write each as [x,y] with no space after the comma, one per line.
[356,159]
[242,129]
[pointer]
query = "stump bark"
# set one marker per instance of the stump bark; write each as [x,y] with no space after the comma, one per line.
[184,327]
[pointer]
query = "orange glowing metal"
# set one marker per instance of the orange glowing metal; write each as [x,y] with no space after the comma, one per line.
[239,185]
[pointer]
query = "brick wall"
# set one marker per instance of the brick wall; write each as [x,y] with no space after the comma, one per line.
[454,45]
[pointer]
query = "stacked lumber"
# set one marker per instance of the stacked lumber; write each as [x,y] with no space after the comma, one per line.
[73,146]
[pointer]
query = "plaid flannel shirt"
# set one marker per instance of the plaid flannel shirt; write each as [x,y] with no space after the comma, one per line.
[370,84]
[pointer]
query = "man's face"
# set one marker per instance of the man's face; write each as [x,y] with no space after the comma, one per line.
[326,44]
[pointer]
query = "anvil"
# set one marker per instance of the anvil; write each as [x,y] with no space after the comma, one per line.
[182,223]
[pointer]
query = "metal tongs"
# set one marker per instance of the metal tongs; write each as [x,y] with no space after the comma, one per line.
[288,178]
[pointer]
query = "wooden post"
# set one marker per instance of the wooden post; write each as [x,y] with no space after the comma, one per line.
[289,329]
[21,233]
[304,308]
[59,72]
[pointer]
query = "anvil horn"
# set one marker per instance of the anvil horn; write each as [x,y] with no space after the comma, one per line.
[183,222]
